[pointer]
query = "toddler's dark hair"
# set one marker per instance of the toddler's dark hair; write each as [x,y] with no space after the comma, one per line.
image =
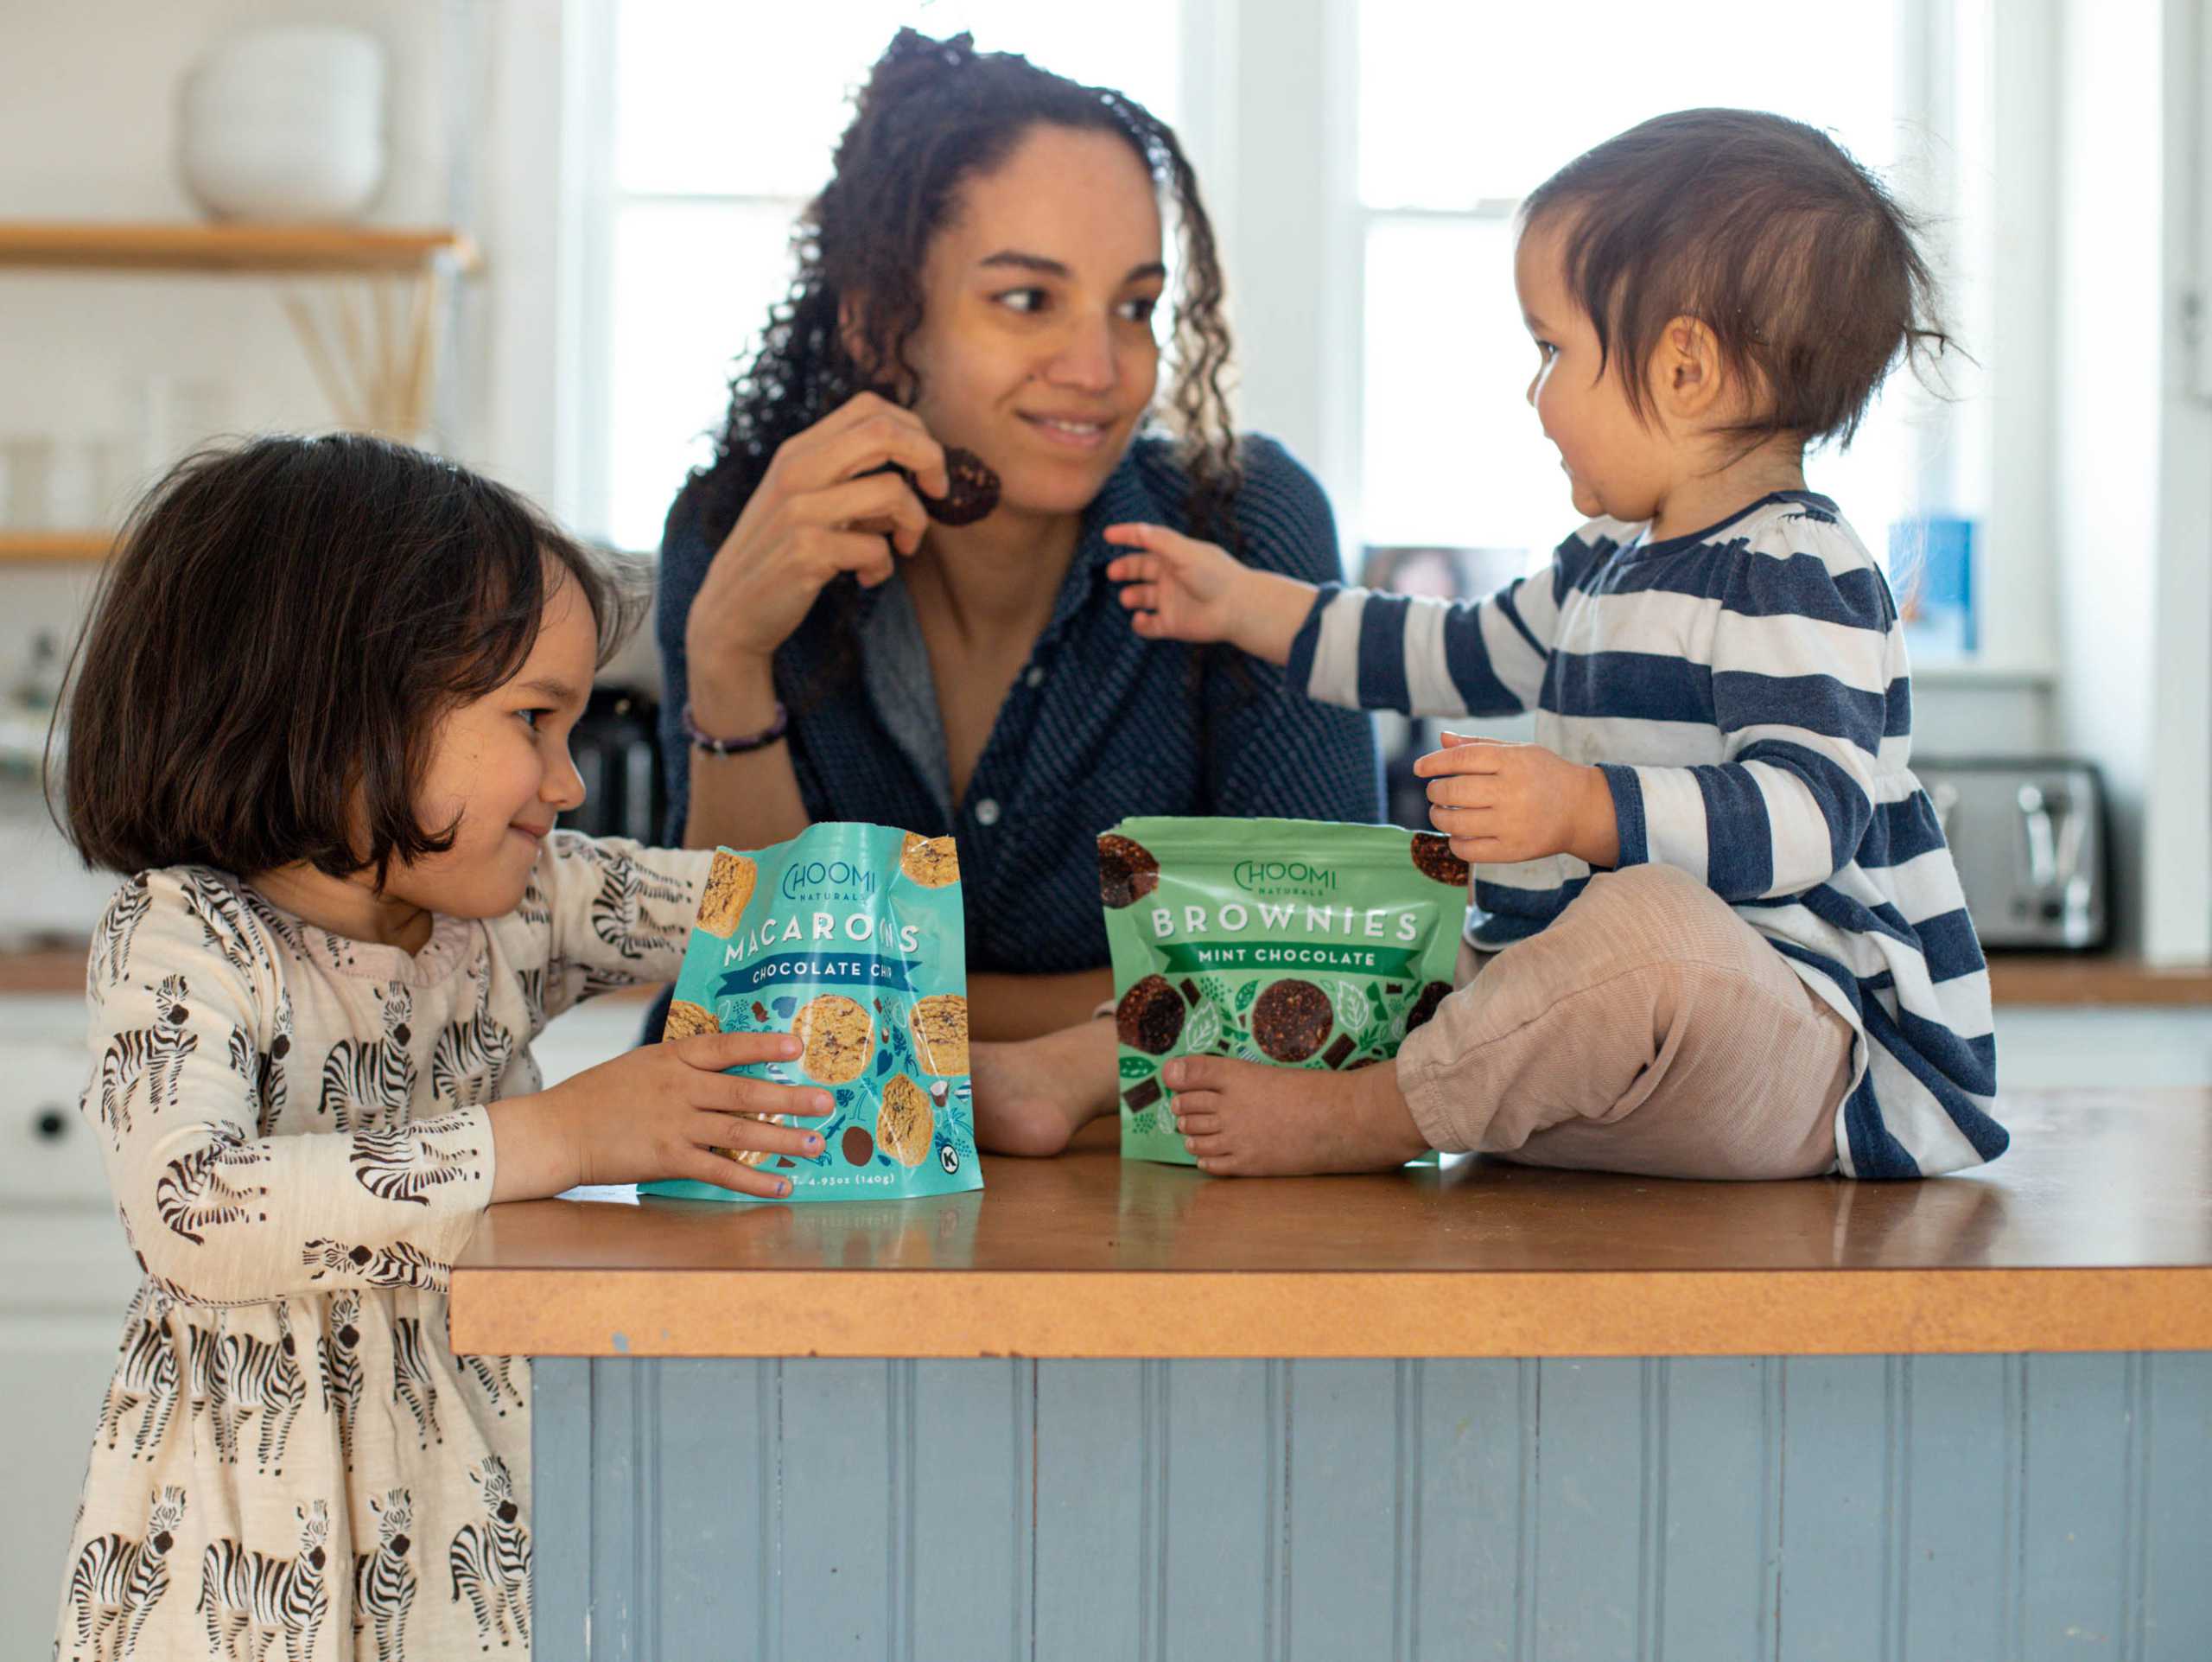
[277,635]
[1799,261]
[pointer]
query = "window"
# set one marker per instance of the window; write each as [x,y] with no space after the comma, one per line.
[1461,112]
[723,120]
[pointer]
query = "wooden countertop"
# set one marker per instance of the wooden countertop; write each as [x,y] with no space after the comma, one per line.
[2094,1233]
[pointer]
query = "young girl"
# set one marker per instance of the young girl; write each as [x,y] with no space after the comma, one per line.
[1729,940]
[323,714]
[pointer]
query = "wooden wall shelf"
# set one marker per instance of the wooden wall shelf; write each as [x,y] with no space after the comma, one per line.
[53,547]
[92,246]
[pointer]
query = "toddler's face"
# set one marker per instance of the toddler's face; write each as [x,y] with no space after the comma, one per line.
[502,764]
[1615,464]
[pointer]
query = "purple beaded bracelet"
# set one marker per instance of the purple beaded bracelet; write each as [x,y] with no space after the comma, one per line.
[704,741]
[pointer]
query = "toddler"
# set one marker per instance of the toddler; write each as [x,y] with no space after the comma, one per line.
[1715,930]
[323,718]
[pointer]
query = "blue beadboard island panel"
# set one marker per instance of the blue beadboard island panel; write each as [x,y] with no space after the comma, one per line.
[1861,1508]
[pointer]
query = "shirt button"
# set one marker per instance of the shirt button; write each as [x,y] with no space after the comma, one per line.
[1035,677]
[986,812]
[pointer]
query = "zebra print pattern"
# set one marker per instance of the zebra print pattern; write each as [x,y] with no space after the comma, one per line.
[155,1054]
[384,1581]
[263,1070]
[470,1056]
[117,1582]
[252,1376]
[192,1193]
[245,1594]
[340,1352]
[146,1374]
[490,1558]
[225,924]
[496,1375]
[111,956]
[400,1165]
[363,1081]
[412,1380]
[618,917]
[532,982]
[397,1265]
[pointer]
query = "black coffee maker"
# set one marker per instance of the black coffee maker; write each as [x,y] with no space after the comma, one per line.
[616,745]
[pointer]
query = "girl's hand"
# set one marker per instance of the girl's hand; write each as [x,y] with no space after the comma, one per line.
[820,510]
[1501,802]
[1180,588]
[654,1113]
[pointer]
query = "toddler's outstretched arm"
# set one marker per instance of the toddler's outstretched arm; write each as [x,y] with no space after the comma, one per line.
[1180,588]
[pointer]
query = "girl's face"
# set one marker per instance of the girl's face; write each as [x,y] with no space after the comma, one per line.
[1615,464]
[501,763]
[1036,348]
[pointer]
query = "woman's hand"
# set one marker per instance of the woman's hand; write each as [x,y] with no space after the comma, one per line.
[819,510]
[654,1113]
[1501,802]
[1180,588]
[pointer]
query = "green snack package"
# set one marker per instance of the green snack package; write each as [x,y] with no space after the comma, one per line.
[1297,942]
[853,937]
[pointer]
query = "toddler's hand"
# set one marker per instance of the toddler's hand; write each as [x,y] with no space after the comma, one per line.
[654,1113]
[1179,588]
[1501,802]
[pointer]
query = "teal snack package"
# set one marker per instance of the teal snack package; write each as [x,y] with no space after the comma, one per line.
[1300,943]
[854,938]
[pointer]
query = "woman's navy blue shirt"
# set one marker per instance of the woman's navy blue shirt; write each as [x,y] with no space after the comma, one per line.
[1100,724]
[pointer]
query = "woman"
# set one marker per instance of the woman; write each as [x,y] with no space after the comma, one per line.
[982,270]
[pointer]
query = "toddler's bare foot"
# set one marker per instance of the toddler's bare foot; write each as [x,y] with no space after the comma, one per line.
[1243,1119]
[1032,1095]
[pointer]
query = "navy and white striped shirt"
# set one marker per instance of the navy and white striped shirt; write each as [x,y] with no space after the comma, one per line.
[1101,723]
[1744,690]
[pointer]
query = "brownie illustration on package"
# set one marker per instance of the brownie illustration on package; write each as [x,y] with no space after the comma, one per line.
[852,937]
[1291,1019]
[1291,943]
[1127,871]
[1432,858]
[1150,1017]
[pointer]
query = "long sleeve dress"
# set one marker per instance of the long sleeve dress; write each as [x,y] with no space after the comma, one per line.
[290,1459]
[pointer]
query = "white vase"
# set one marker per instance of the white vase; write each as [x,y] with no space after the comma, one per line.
[284,123]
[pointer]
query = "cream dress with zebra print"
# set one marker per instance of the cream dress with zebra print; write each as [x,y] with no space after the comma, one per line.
[291,1462]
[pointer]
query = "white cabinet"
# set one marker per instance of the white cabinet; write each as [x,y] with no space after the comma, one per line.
[66,1278]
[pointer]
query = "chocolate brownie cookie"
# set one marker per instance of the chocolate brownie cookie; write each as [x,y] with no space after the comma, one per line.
[1127,871]
[1150,1017]
[1425,1006]
[904,1126]
[940,1025]
[975,490]
[839,1037]
[1434,858]
[858,1147]
[1291,1019]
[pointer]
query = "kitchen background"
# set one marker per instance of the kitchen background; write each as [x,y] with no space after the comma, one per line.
[597,194]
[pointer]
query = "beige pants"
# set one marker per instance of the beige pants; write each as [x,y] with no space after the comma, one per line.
[1648,1029]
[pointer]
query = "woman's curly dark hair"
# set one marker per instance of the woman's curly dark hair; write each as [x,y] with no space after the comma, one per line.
[933,114]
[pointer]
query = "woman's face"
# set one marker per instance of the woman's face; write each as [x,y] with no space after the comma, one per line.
[1036,347]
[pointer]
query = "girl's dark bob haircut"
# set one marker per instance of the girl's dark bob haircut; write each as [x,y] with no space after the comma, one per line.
[1764,230]
[281,629]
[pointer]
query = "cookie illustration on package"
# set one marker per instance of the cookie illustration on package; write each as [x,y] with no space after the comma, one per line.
[753,1156]
[1432,858]
[1127,871]
[1291,1019]
[857,1146]
[1425,1006]
[729,887]
[1150,1017]
[839,1037]
[905,1124]
[940,1025]
[686,1018]
[932,862]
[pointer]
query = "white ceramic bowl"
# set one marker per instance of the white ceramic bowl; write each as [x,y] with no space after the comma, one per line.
[284,123]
